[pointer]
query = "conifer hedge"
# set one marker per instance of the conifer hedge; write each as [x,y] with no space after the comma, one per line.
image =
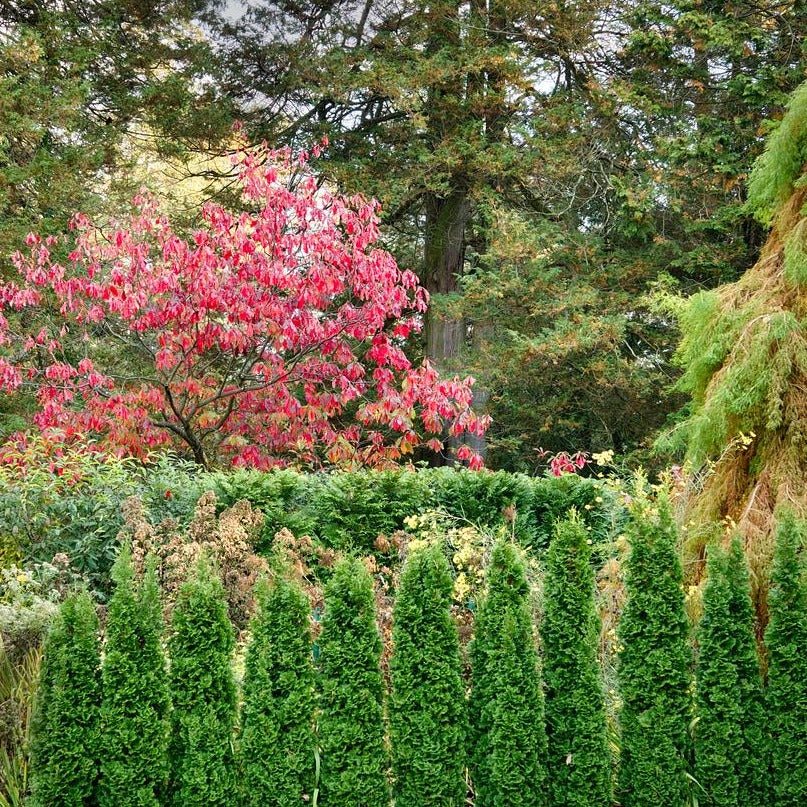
[731,753]
[136,700]
[579,757]
[786,639]
[655,664]
[65,726]
[507,738]
[427,704]
[351,718]
[203,695]
[278,748]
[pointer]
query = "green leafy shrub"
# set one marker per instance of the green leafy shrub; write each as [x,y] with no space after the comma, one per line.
[507,738]
[654,665]
[65,726]
[351,721]
[579,757]
[203,695]
[427,704]
[786,639]
[277,746]
[486,499]
[134,711]
[281,495]
[731,752]
[353,508]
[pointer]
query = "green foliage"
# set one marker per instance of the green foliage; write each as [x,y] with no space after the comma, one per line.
[779,168]
[794,261]
[786,639]
[731,752]
[18,681]
[507,737]
[654,665]
[203,695]
[65,729]
[68,502]
[739,359]
[136,699]
[579,757]
[277,746]
[353,508]
[279,494]
[427,704]
[351,721]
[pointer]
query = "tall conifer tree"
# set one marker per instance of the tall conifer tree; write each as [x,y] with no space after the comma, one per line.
[730,749]
[427,705]
[579,757]
[506,732]
[65,728]
[203,693]
[786,638]
[655,665]
[351,722]
[136,700]
[278,747]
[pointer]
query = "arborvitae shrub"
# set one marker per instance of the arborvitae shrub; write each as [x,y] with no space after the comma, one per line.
[786,639]
[579,760]
[507,739]
[65,727]
[754,786]
[278,748]
[730,748]
[134,711]
[427,704]
[203,695]
[655,663]
[351,722]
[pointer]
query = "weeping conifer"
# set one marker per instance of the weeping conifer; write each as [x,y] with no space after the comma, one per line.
[66,726]
[507,738]
[278,748]
[786,639]
[654,668]
[203,695]
[351,720]
[730,744]
[134,712]
[427,703]
[579,756]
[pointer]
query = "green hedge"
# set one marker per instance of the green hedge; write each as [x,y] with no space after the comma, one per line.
[427,712]
[655,664]
[66,723]
[136,700]
[278,747]
[579,762]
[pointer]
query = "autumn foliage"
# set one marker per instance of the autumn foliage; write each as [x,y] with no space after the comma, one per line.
[268,335]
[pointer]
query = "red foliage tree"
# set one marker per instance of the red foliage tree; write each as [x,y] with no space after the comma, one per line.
[266,337]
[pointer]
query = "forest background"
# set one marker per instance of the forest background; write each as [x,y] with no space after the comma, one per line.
[553,172]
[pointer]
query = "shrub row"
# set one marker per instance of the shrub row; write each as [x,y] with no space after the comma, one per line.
[316,731]
[70,504]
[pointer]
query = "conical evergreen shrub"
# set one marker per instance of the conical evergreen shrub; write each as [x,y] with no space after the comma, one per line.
[203,695]
[65,727]
[579,756]
[278,747]
[136,700]
[427,705]
[786,639]
[731,752]
[507,738]
[351,720]
[654,672]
